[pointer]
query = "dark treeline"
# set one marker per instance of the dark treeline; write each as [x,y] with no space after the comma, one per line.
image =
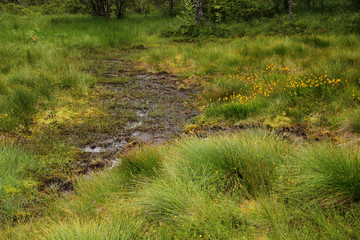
[212,10]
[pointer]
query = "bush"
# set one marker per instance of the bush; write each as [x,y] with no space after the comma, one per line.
[355,23]
[237,10]
[12,8]
[294,26]
[195,31]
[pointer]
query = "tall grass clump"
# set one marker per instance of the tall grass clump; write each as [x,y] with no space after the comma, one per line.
[354,121]
[326,174]
[187,209]
[243,162]
[112,229]
[144,162]
[243,165]
[203,182]
[18,187]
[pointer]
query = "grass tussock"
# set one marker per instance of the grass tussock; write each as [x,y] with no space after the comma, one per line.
[247,185]
[18,188]
[326,175]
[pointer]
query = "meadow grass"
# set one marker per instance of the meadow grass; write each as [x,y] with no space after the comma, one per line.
[299,75]
[18,188]
[243,186]
[326,175]
[39,57]
[247,185]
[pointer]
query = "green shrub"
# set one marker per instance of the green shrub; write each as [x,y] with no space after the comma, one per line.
[237,10]
[195,31]
[294,26]
[355,23]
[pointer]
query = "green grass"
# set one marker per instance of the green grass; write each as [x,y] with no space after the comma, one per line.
[18,188]
[302,55]
[247,185]
[354,121]
[327,175]
[39,57]
[250,185]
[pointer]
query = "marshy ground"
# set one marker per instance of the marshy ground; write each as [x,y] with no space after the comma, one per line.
[80,95]
[141,108]
[132,107]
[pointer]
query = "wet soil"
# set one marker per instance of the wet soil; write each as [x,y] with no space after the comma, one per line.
[141,108]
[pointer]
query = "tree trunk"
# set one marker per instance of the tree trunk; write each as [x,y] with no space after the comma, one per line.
[107,9]
[286,4]
[171,8]
[290,9]
[171,5]
[120,8]
[199,14]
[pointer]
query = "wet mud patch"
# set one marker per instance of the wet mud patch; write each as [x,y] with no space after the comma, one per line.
[141,107]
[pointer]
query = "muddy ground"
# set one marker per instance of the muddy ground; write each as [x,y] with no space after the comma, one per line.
[139,107]
[142,108]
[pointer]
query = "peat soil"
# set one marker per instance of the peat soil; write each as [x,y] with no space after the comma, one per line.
[141,108]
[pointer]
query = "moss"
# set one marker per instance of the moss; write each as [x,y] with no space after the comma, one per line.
[279,122]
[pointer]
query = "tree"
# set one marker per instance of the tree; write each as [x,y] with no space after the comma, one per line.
[171,8]
[290,9]
[120,7]
[103,8]
[199,14]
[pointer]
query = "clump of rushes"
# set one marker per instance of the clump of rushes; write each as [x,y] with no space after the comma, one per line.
[118,228]
[203,182]
[243,164]
[354,121]
[240,164]
[325,174]
[142,162]
[18,189]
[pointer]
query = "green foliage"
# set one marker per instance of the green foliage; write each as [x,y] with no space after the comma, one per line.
[355,23]
[236,110]
[246,185]
[196,31]
[326,175]
[243,163]
[144,162]
[354,121]
[226,10]
[121,228]
[187,15]
[18,190]
[295,26]
[39,58]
